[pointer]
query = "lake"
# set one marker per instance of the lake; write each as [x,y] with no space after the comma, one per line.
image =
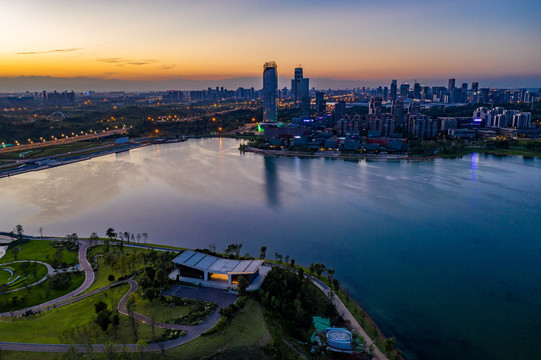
[445,255]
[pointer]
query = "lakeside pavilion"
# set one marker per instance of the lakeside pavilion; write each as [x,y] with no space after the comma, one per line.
[196,265]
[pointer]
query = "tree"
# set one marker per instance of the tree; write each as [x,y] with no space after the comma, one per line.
[242,285]
[389,345]
[336,284]
[111,234]
[130,306]
[127,236]
[111,277]
[103,319]
[141,346]
[161,277]
[278,257]
[40,230]
[233,249]
[151,293]
[151,272]
[20,232]
[145,237]
[262,252]
[319,268]
[99,307]
[330,273]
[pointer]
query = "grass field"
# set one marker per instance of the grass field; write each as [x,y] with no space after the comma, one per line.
[41,250]
[50,326]
[157,310]
[104,269]
[247,330]
[37,294]
[29,273]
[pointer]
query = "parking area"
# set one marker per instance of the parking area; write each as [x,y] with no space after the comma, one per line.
[217,296]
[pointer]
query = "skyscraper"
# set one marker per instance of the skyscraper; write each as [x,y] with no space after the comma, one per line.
[321,104]
[416,90]
[474,87]
[404,90]
[451,84]
[270,92]
[299,91]
[393,90]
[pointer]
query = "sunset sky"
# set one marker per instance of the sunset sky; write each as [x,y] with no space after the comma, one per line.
[211,39]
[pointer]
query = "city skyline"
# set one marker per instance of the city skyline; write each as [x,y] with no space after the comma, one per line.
[344,41]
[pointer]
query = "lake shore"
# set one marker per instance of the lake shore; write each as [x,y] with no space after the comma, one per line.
[53,161]
[339,155]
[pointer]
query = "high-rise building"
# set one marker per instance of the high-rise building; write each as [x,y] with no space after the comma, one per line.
[393,90]
[404,90]
[416,90]
[375,107]
[474,87]
[300,91]
[397,110]
[339,110]
[321,104]
[270,92]
[385,93]
[451,84]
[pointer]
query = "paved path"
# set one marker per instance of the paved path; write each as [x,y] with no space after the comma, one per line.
[89,279]
[192,332]
[346,315]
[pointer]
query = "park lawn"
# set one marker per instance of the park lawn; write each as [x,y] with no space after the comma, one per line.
[104,269]
[35,271]
[40,250]
[50,326]
[157,310]
[29,355]
[246,330]
[38,294]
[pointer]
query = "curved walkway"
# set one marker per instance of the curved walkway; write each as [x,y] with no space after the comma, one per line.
[192,331]
[89,279]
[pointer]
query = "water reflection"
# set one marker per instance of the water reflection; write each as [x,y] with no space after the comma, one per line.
[271,182]
[474,165]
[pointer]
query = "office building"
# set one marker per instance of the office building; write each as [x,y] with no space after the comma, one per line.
[321,104]
[270,92]
[451,85]
[375,106]
[404,90]
[417,91]
[393,90]
[339,111]
[300,91]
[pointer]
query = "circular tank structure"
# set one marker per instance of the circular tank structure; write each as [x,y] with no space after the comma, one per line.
[339,339]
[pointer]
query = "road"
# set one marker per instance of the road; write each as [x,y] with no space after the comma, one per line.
[61,141]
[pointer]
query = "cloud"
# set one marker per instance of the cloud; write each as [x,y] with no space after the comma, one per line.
[47,51]
[167,67]
[123,62]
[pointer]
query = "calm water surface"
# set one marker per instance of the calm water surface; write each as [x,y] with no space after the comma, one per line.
[445,255]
